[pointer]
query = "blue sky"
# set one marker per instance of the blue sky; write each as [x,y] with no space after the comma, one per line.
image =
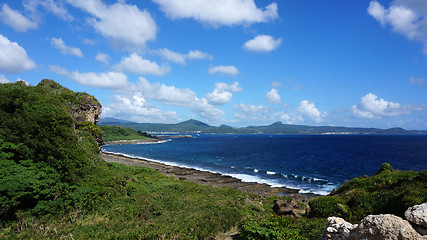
[237,62]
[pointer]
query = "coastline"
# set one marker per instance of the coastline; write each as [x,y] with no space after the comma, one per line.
[207,178]
[138,141]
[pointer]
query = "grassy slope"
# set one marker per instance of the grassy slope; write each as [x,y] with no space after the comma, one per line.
[388,191]
[122,202]
[115,133]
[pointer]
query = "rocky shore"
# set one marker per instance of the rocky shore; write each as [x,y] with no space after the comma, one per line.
[207,178]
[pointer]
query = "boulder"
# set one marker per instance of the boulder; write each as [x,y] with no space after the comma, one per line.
[385,226]
[284,207]
[417,215]
[337,228]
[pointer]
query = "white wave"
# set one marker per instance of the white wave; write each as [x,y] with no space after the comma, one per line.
[240,176]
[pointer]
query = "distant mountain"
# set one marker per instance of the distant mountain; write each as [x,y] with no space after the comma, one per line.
[113,121]
[195,126]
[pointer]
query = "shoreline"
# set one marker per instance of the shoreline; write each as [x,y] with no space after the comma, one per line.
[138,141]
[207,178]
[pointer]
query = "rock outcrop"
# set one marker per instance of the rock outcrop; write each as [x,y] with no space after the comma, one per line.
[338,228]
[417,216]
[383,226]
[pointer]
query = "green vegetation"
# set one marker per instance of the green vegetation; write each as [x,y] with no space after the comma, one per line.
[115,133]
[53,184]
[388,191]
[277,227]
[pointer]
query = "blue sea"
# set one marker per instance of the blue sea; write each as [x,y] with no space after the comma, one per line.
[310,163]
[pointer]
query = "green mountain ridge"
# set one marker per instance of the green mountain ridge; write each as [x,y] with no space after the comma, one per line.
[195,126]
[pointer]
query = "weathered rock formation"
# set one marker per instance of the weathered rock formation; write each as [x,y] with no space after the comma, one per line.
[383,226]
[82,106]
[417,216]
[338,228]
[289,208]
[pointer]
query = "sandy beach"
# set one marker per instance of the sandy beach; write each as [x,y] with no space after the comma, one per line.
[206,178]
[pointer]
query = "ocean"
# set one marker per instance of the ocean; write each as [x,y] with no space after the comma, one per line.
[310,163]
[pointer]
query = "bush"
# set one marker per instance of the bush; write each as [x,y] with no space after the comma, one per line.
[327,206]
[279,227]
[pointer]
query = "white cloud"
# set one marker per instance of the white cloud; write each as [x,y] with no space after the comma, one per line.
[408,18]
[262,43]
[16,20]
[420,82]
[55,7]
[125,25]
[111,80]
[102,57]
[59,44]
[273,96]
[181,58]
[13,58]
[219,12]
[259,113]
[172,95]
[136,108]
[196,54]
[309,109]
[137,65]
[3,79]
[222,93]
[230,70]
[372,107]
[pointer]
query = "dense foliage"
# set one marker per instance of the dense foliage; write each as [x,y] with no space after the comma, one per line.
[115,133]
[278,227]
[43,151]
[53,184]
[388,191]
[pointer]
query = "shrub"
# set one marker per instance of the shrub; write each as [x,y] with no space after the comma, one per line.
[327,206]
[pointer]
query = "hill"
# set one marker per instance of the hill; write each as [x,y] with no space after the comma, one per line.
[195,126]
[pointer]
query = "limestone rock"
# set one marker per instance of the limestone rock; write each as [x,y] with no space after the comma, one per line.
[337,228]
[385,226]
[417,215]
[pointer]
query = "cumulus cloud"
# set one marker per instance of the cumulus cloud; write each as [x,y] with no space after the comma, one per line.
[102,57]
[273,96]
[181,58]
[16,20]
[55,7]
[219,12]
[262,43]
[172,95]
[309,109]
[408,17]
[137,65]
[372,107]
[222,93]
[136,108]
[229,70]
[125,25]
[111,80]
[196,54]
[420,82]
[59,44]
[3,79]
[259,113]
[13,58]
